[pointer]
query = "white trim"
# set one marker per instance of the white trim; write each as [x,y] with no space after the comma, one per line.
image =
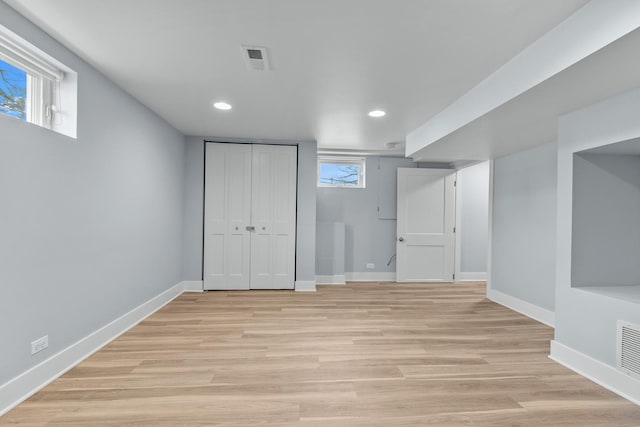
[370,276]
[193,286]
[20,388]
[305,285]
[467,276]
[530,310]
[457,237]
[490,234]
[22,54]
[337,279]
[598,372]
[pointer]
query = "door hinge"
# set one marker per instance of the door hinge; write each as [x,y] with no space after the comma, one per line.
[378,208]
[454,229]
[455,183]
[453,277]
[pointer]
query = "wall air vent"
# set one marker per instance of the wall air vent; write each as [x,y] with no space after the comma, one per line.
[629,348]
[255,57]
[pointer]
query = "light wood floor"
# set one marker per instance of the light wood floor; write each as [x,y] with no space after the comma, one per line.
[356,355]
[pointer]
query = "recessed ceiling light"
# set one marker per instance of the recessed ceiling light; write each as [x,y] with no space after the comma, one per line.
[222,106]
[376,113]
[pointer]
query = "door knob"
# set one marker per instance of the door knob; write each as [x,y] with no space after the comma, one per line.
[250,228]
[401,239]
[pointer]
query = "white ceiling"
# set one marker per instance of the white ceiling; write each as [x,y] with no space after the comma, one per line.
[332,60]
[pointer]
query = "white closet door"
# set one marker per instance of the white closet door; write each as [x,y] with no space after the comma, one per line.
[227,212]
[273,243]
[426,218]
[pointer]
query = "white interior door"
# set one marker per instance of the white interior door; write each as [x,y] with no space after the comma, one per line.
[227,214]
[425,225]
[273,243]
[250,216]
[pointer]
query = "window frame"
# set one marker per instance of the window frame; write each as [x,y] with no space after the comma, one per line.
[45,75]
[361,162]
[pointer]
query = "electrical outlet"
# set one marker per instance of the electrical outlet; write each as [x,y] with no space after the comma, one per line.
[371,266]
[39,344]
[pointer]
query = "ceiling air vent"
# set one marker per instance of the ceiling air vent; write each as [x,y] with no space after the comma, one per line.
[629,348]
[256,58]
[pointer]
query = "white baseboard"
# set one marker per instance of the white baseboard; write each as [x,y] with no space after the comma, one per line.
[530,310]
[305,285]
[366,276]
[598,372]
[193,286]
[337,279]
[20,388]
[465,276]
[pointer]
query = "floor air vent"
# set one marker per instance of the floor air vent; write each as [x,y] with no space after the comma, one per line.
[629,348]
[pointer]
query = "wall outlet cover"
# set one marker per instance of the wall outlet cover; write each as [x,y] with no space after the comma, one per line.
[39,344]
[371,266]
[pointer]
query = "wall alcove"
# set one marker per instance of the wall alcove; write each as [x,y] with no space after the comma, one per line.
[605,244]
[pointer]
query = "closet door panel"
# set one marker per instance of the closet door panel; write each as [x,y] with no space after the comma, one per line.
[227,215]
[273,214]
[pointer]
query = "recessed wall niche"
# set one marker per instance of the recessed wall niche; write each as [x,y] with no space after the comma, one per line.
[605,247]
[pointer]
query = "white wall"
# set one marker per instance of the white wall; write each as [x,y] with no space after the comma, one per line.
[330,244]
[563,242]
[472,224]
[90,228]
[370,233]
[524,226]
[587,316]
[193,232]
[369,216]
[586,321]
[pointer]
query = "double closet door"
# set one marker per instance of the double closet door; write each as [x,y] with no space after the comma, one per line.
[250,216]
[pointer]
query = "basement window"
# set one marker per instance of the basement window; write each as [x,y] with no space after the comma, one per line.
[341,172]
[34,87]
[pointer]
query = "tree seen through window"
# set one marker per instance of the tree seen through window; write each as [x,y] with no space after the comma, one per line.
[340,172]
[13,91]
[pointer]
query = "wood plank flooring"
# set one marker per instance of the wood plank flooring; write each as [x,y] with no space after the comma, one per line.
[367,354]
